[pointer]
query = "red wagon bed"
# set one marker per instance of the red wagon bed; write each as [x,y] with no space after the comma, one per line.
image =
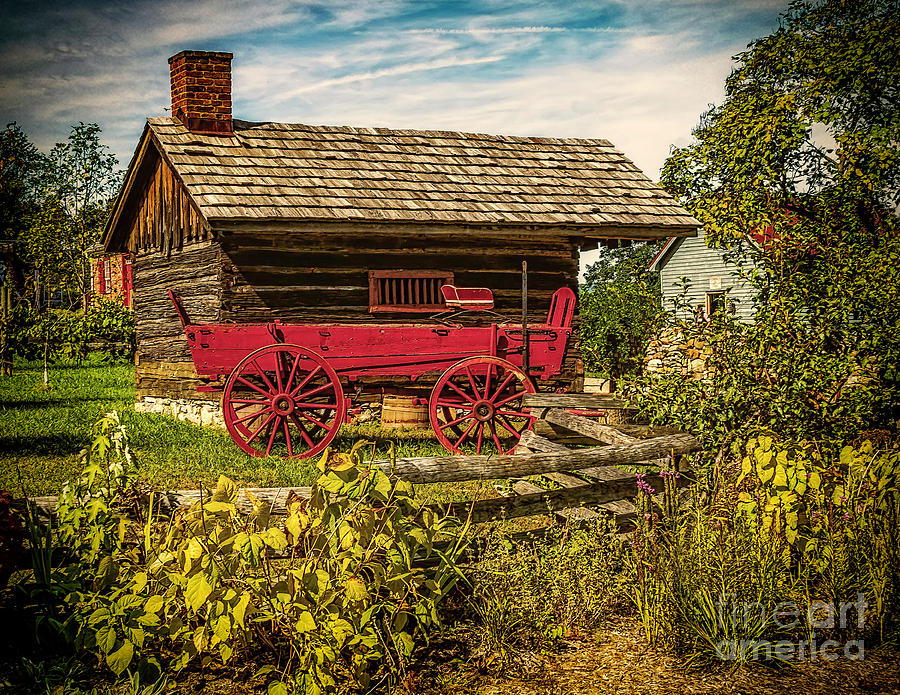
[284,388]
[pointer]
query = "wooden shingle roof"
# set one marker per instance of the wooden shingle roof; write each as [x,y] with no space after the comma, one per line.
[292,172]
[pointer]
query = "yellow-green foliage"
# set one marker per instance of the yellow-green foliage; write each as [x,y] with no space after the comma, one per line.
[796,528]
[334,592]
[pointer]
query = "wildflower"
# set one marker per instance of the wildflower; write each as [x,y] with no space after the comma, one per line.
[847,517]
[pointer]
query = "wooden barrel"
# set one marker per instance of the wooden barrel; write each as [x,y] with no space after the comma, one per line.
[404,412]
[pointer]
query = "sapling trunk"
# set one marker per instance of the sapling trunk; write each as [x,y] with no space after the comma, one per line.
[46,351]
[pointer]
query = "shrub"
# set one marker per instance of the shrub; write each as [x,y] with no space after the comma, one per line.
[333,594]
[69,334]
[535,593]
[796,531]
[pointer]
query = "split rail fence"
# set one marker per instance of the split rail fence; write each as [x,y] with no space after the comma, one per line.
[586,482]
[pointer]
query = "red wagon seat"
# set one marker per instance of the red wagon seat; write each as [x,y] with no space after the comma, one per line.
[468,298]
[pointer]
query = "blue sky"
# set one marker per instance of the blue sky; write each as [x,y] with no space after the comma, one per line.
[637,73]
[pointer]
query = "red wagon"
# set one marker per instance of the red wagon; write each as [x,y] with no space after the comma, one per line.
[284,391]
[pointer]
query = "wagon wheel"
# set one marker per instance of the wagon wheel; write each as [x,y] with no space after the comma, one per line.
[283,400]
[478,402]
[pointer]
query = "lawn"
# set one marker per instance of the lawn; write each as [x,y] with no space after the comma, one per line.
[42,430]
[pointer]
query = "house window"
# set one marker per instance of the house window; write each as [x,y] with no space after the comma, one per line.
[715,303]
[407,290]
[107,276]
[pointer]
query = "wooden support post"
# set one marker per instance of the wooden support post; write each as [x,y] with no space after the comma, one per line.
[525,360]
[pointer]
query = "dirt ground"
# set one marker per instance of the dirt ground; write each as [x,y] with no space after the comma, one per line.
[619,662]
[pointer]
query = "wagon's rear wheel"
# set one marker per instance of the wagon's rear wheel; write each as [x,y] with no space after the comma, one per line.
[477,404]
[283,400]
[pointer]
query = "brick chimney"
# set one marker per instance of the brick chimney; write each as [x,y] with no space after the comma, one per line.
[201,91]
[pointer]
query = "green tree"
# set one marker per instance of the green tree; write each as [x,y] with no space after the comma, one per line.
[619,308]
[76,190]
[21,166]
[798,171]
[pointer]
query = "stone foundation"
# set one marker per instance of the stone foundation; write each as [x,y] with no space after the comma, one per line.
[195,412]
[671,352]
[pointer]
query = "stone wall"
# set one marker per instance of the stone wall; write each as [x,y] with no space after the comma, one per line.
[670,351]
[195,412]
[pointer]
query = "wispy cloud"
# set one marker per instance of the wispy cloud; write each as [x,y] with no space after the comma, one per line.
[388,72]
[516,30]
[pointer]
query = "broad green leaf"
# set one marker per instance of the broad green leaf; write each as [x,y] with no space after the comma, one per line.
[197,591]
[780,478]
[355,589]
[225,490]
[154,604]
[119,660]
[305,623]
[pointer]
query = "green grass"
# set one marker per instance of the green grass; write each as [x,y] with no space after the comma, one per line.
[42,431]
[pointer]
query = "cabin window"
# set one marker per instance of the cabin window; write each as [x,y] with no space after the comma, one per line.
[715,303]
[107,276]
[407,290]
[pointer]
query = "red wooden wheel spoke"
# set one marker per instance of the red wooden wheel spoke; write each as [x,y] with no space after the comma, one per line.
[272,436]
[315,406]
[254,386]
[461,393]
[278,375]
[318,389]
[263,376]
[303,432]
[509,377]
[284,409]
[261,428]
[444,403]
[487,381]
[465,434]
[475,390]
[495,437]
[515,413]
[287,437]
[480,438]
[306,380]
[313,420]
[512,430]
[457,421]
[251,416]
[290,379]
[508,399]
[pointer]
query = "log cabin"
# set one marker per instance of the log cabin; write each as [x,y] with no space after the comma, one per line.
[248,222]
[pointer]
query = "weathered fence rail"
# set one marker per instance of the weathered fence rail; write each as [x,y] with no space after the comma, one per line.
[586,477]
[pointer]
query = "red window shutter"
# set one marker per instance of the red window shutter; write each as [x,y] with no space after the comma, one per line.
[126,280]
[101,277]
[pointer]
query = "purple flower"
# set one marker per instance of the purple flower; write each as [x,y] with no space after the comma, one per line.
[847,517]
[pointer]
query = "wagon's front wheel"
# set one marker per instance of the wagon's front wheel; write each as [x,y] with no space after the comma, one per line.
[283,400]
[477,403]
